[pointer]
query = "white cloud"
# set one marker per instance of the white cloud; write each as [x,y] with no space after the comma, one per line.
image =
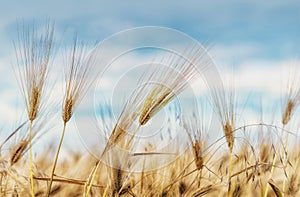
[229,53]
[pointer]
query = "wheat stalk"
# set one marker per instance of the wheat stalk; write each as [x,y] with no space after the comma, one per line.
[291,104]
[18,151]
[77,83]
[195,129]
[168,84]
[224,105]
[33,54]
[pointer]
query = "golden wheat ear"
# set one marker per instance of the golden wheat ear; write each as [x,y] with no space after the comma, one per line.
[77,81]
[33,53]
[18,151]
[195,134]
[292,98]
[291,103]
[172,80]
[169,79]
[224,105]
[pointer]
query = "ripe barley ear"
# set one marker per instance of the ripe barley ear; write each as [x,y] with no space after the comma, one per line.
[288,112]
[33,53]
[67,110]
[18,152]
[77,82]
[227,128]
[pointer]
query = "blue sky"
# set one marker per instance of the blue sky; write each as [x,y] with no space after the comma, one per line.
[272,25]
[256,37]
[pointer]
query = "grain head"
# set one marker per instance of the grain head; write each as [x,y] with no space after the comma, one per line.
[228,131]
[67,110]
[290,106]
[77,78]
[18,151]
[33,53]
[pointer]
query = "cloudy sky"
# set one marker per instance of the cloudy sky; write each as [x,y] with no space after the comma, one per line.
[255,40]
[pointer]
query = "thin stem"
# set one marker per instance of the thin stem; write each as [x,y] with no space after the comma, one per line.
[131,138]
[271,173]
[285,163]
[106,189]
[31,160]
[65,180]
[273,164]
[199,178]
[93,173]
[90,183]
[56,158]
[229,174]
[13,133]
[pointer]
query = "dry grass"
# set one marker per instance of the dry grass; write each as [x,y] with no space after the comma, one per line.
[251,160]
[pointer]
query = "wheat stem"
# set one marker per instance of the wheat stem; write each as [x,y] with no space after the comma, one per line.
[31,160]
[229,174]
[93,174]
[283,187]
[273,164]
[271,173]
[199,178]
[90,183]
[106,190]
[56,158]
[285,160]
[134,133]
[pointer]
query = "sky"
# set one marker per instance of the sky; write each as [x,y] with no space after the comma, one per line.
[256,41]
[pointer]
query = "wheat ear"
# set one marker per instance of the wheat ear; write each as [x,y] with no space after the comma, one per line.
[33,54]
[77,83]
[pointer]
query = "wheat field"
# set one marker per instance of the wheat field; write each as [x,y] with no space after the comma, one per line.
[249,159]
